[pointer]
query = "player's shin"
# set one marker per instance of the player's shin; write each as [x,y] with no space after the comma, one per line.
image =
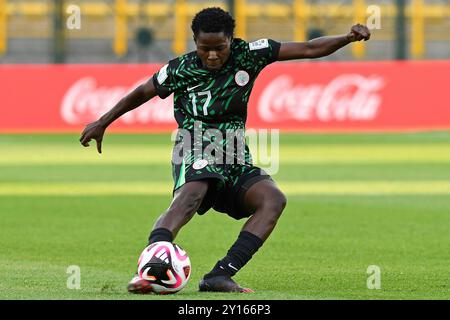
[160,234]
[246,245]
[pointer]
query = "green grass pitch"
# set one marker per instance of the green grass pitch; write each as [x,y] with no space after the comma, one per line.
[354,200]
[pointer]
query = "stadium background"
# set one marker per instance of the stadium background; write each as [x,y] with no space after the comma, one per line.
[364,150]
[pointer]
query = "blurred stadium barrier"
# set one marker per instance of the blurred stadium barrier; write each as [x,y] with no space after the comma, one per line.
[326,96]
[109,27]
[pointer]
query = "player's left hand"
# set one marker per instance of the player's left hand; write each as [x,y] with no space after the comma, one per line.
[358,32]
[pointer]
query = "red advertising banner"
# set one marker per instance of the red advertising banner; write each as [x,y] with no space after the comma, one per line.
[306,96]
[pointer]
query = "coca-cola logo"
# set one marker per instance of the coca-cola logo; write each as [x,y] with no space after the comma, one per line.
[347,97]
[86,101]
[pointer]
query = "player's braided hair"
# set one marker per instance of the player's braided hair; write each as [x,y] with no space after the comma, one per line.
[213,20]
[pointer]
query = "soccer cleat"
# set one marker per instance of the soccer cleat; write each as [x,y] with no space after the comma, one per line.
[221,284]
[139,286]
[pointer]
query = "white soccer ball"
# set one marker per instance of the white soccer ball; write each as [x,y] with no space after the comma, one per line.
[166,266]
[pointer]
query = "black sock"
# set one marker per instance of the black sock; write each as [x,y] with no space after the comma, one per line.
[239,254]
[160,234]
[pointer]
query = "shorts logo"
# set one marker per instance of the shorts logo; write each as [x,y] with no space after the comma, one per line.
[200,164]
[241,78]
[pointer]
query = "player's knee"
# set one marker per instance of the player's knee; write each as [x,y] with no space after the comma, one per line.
[275,203]
[192,202]
[283,201]
[186,204]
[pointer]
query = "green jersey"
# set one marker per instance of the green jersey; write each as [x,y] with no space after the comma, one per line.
[218,99]
[215,101]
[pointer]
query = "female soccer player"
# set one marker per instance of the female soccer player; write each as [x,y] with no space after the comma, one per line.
[211,88]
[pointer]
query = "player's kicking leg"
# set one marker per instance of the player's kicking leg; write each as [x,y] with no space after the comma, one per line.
[185,204]
[267,202]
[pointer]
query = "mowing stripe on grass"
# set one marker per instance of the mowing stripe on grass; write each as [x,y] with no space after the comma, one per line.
[320,154]
[428,187]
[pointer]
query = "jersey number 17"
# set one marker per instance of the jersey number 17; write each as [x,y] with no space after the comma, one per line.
[205,105]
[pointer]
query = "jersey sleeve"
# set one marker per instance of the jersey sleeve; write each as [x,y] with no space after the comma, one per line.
[165,81]
[264,51]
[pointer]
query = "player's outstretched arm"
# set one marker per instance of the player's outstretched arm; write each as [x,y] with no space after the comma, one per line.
[134,99]
[323,46]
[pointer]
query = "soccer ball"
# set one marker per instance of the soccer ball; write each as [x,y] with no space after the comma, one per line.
[166,266]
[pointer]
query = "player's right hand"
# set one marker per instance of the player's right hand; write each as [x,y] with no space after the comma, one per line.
[94,130]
